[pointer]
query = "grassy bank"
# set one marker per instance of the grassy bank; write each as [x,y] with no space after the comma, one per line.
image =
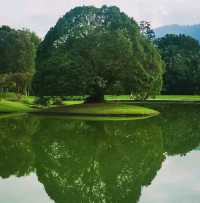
[77,110]
[104,109]
[14,107]
[26,104]
[178,97]
[159,97]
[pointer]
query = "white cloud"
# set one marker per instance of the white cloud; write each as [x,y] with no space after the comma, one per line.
[40,15]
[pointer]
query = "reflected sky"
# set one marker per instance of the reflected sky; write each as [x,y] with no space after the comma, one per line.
[25,189]
[177,181]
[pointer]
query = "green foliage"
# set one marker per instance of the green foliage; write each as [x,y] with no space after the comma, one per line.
[19,83]
[17,59]
[146,30]
[182,57]
[18,50]
[110,163]
[57,101]
[16,156]
[94,51]
[45,101]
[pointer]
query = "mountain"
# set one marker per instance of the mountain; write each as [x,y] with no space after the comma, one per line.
[190,30]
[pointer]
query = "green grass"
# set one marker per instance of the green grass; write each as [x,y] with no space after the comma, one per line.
[114,97]
[160,97]
[24,105]
[109,109]
[102,109]
[69,103]
[28,100]
[13,107]
[178,97]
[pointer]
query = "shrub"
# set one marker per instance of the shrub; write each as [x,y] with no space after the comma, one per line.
[45,101]
[57,101]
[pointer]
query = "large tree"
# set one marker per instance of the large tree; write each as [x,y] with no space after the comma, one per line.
[96,51]
[17,50]
[17,57]
[182,57]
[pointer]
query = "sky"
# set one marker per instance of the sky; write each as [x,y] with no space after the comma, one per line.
[40,15]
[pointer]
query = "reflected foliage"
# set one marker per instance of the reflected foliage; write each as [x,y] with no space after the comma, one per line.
[16,155]
[96,161]
[180,128]
[90,161]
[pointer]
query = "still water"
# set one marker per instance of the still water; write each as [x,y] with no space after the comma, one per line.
[58,160]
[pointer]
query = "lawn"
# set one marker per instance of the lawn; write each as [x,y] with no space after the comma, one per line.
[159,97]
[69,103]
[25,104]
[178,97]
[13,107]
[76,110]
[104,109]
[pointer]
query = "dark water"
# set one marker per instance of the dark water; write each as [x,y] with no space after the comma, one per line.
[49,159]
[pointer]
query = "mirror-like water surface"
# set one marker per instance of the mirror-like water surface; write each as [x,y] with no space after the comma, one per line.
[55,159]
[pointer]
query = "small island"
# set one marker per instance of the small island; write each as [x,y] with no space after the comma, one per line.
[102,111]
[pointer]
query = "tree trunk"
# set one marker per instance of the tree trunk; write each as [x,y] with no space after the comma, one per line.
[98,97]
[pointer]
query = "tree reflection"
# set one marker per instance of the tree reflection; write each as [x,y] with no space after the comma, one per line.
[16,155]
[80,161]
[180,127]
[87,161]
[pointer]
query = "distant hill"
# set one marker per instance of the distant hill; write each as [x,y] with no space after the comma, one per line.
[190,30]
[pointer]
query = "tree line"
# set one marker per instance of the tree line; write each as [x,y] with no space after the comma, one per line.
[181,55]
[97,51]
[17,59]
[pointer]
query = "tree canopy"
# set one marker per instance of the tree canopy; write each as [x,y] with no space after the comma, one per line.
[17,58]
[182,57]
[96,51]
[146,30]
[17,50]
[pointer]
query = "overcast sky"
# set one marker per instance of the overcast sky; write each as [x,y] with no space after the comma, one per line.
[40,15]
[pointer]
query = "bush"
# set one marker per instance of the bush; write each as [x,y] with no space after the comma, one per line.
[57,101]
[45,101]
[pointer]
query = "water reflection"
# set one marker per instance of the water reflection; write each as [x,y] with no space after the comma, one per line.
[91,162]
[177,181]
[87,161]
[16,154]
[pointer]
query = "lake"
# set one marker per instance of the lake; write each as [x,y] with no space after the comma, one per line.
[56,159]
